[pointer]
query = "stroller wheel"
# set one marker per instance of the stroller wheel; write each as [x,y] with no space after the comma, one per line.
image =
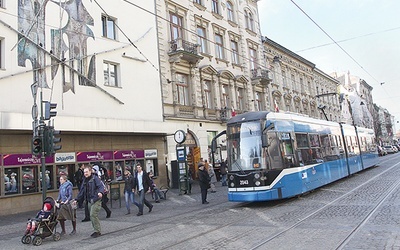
[57,236]
[37,241]
[26,239]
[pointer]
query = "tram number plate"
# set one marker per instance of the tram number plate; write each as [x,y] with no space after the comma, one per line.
[244,182]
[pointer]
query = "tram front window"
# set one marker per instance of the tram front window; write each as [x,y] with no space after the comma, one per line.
[244,147]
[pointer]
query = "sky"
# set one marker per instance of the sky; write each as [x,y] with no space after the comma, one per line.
[368,31]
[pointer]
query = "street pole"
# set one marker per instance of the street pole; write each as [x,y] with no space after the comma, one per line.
[42,157]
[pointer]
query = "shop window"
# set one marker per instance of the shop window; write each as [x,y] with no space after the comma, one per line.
[48,177]
[29,180]
[11,181]
[68,170]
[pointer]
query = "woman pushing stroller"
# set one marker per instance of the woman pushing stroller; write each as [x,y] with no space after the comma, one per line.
[66,212]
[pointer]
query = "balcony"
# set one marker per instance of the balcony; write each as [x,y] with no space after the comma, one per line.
[184,50]
[260,77]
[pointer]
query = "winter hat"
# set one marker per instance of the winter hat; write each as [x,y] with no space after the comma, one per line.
[47,206]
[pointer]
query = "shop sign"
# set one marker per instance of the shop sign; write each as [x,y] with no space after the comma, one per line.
[150,153]
[128,154]
[94,156]
[65,157]
[24,159]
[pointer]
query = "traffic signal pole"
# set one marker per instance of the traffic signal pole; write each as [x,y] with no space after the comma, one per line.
[42,126]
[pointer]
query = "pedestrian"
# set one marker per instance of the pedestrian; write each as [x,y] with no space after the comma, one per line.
[142,186]
[190,181]
[92,191]
[101,172]
[204,181]
[65,210]
[154,189]
[211,173]
[129,191]
[224,172]
[78,178]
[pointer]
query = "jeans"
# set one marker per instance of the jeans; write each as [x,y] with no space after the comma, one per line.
[94,215]
[130,199]
[224,180]
[157,194]
[143,201]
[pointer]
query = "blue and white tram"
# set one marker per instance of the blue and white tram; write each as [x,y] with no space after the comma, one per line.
[278,155]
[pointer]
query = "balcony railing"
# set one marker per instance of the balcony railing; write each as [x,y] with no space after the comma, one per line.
[260,76]
[185,50]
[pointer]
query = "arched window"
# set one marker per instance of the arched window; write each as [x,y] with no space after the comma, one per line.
[249,20]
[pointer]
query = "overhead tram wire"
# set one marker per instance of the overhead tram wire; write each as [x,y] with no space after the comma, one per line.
[326,33]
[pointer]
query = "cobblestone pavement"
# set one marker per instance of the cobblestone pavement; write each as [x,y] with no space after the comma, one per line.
[323,219]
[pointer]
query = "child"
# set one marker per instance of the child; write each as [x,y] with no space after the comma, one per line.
[42,214]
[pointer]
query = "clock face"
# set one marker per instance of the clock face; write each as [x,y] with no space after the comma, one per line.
[180,136]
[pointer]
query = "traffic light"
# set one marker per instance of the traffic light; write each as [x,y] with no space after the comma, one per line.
[48,110]
[37,145]
[51,140]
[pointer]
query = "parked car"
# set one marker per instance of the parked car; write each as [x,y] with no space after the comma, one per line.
[395,148]
[381,151]
[389,149]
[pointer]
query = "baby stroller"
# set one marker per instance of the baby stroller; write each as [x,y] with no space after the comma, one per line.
[43,225]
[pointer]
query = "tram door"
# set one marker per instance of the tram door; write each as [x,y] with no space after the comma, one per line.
[273,151]
[286,147]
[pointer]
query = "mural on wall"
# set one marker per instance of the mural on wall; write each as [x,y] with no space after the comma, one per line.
[71,54]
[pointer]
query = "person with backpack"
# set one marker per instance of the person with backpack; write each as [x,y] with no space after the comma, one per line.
[103,175]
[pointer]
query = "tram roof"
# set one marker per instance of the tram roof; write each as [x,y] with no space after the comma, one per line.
[249,116]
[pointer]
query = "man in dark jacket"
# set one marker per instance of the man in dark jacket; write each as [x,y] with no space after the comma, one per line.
[142,186]
[204,181]
[92,190]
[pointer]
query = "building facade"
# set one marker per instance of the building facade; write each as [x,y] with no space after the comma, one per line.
[102,73]
[211,67]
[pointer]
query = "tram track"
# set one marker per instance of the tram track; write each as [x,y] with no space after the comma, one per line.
[355,229]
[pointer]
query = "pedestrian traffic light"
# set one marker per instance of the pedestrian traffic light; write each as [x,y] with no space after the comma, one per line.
[37,145]
[51,140]
[48,110]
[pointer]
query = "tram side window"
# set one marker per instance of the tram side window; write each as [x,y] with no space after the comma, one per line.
[303,149]
[287,150]
[316,153]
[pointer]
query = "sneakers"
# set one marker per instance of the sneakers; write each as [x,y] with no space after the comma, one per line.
[73,232]
[95,234]
[62,233]
[150,209]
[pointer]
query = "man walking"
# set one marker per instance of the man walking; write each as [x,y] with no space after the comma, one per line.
[143,184]
[92,191]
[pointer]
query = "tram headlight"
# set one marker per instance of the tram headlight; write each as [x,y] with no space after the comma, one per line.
[258,183]
[231,177]
[257,176]
[232,184]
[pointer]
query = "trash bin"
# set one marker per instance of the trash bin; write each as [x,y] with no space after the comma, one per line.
[115,192]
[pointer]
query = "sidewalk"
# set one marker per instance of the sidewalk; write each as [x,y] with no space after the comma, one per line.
[174,202]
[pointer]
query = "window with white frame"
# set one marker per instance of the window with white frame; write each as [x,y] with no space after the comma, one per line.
[284,78]
[219,46]
[230,11]
[249,20]
[2,66]
[240,97]
[293,82]
[108,27]
[208,94]
[202,39]
[225,95]
[258,101]
[253,58]
[110,74]
[182,89]
[176,26]
[235,52]
[215,6]
[198,2]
